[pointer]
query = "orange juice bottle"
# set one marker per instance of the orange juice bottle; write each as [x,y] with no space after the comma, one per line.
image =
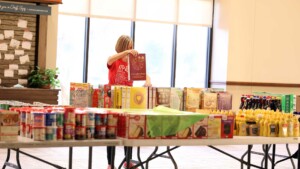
[290,127]
[296,127]
[282,127]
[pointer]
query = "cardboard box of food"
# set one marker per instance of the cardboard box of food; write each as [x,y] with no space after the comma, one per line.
[200,130]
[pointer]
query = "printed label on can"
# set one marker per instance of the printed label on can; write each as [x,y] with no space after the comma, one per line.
[59,133]
[38,133]
[51,133]
[80,133]
[69,131]
[50,119]
[38,119]
[69,116]
[80,119]
[90,119]
[60,119]
[100,119]
[90,132]
[100,132]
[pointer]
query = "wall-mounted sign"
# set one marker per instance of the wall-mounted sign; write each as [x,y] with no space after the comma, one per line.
[25,8]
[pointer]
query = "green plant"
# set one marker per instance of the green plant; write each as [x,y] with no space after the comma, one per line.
[43,78]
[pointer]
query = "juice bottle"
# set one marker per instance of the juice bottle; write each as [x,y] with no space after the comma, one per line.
[296,127]
[290,127]
[265,127]
[272,128]
[282,127]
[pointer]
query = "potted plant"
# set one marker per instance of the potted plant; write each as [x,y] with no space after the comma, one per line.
[43,78]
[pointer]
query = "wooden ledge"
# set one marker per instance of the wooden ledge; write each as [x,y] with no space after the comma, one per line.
[52,2]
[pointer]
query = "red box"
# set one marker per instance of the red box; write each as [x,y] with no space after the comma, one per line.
[227,126]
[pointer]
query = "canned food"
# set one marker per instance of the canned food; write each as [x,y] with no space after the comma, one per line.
[38,119]
[100,132]
[90,119]
[59,133]
[80,119]
[69,115]
[90,132]
[50,119]
[69,131]
[38,133]
[51,133]
[100,119]
[80,133]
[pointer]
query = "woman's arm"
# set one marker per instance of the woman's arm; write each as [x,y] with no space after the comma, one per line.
[120,55]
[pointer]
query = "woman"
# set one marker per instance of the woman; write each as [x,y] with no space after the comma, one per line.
[118,74]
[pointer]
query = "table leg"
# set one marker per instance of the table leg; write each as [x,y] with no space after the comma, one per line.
[172,159]
[128,156]
[298,156]
[18,158]
[249,156]
[139,157]
[267,148]
[90,157]
[7,158]
[273,156]
[70,157]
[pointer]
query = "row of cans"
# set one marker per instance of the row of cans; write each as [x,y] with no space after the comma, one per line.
[70,132]
[59,117]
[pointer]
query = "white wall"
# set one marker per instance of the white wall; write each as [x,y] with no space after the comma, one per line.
[263,44]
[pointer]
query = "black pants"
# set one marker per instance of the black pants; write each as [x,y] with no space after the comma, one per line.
[109,154]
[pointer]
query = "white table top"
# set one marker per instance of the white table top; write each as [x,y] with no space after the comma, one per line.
[24,142]
[236,140]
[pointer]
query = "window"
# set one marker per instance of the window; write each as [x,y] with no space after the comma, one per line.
[70,52]
[103,37]
[191,56]
[155,39]
[153,32]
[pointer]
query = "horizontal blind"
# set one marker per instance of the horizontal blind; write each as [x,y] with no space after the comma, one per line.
[190,12]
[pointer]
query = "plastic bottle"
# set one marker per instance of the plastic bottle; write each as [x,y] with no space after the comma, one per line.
[282,127]
[296,127]
[290,127]
[272,128]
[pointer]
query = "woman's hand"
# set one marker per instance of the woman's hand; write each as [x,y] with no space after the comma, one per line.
[148,82]
[133,52]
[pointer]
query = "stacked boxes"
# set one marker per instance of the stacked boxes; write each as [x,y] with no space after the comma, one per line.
[9,125]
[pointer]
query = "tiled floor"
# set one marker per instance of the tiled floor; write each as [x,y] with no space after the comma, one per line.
[187,157]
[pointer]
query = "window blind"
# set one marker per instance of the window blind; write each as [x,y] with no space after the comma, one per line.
[188,12]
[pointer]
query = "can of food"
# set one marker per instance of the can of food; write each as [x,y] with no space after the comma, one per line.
[28,117]
[90,118]
[23,129]
[90,132]
[80,119]
[38,119]
[28,131]
[23,116]
[38,133]
[59,133]
[69,131]
[100,132]
[80,132]
[69,115]
[50,119]
[100,119]
[51,133]
[112,119]
[59,118]
[111,132]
